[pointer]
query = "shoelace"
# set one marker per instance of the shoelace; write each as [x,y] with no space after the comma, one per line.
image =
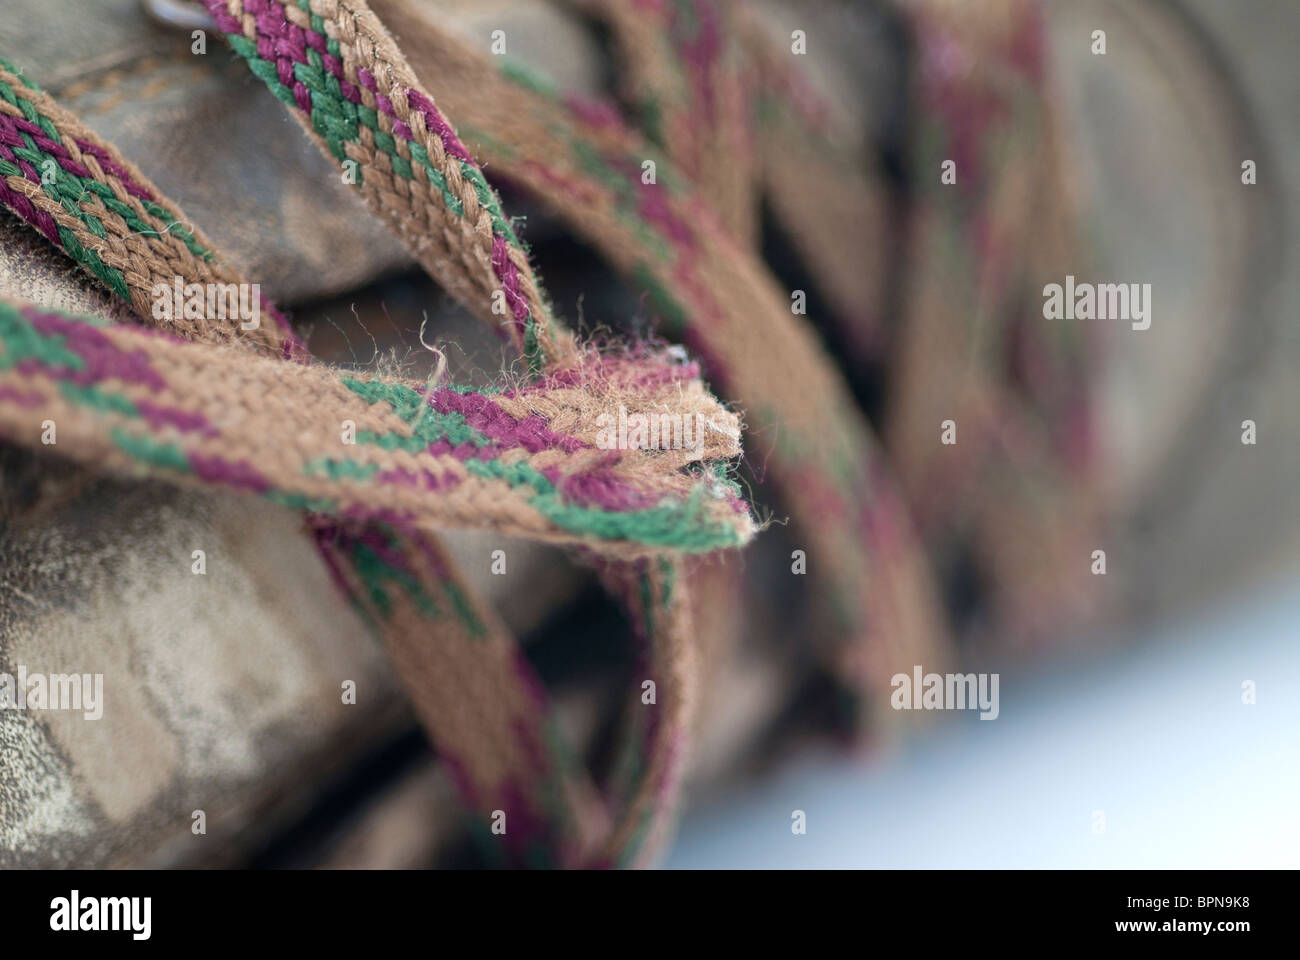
[715,296]
[336,67]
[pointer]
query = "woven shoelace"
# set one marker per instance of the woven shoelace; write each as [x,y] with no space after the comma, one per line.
[338,70]
[713,295]
[146,403]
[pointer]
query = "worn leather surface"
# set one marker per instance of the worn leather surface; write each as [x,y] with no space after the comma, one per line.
[210,682]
